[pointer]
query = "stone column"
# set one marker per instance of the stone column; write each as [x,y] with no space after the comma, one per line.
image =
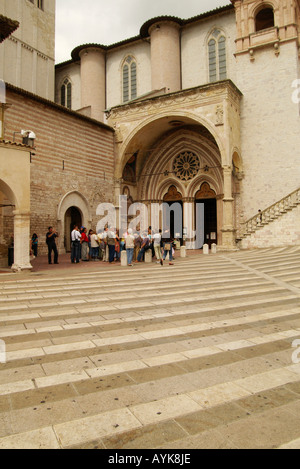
[117,194]
[189,222]
[93,77]
[228,229]
[1,120]
[165,56]
[21,241]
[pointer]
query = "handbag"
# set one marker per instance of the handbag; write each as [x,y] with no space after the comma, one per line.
[168,247]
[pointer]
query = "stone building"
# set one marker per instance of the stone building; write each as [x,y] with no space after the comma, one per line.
[27,58]
[14,179]
[72,164]
[203,112]
[66,172]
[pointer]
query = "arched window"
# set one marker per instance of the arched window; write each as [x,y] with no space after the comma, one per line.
[129,76]
[66,94]
[264,19]
[217,56]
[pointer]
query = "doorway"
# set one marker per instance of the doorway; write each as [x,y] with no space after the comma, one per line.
[210,220]
[173,219]
[173,213]
[208,198]
[72,217]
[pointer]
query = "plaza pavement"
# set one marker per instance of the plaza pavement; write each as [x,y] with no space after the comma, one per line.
[195,355]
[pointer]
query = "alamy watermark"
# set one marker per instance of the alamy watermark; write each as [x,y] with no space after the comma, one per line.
[296,354]
[2,352]
[296,93]
[163,216]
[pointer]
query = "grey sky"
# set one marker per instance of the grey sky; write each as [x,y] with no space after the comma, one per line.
[109,21]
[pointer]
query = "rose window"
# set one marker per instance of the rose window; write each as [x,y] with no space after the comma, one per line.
[186,166]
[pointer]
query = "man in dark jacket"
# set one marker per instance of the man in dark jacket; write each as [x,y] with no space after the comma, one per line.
[50,240]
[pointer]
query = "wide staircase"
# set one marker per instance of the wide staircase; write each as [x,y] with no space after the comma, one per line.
[270,215]
[195,355]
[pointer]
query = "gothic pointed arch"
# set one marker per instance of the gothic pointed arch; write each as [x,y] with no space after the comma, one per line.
[205,192]
[129,79]
[173,194]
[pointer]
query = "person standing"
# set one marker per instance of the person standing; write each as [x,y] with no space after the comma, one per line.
[111,242]
[129,247]
[34,244]
[90,244]
[168,247]
[94,246]
[157,247]
[102,237]
[84,245]
[51,243]
[145,246]
[75,238]
[117,246]
[137,245]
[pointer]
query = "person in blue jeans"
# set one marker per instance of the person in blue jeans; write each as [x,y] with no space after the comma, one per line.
[129,242]
[145,246]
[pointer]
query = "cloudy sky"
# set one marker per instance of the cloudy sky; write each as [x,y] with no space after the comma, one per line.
[109,21]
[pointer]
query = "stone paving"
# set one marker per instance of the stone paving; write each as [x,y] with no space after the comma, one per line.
[195,355]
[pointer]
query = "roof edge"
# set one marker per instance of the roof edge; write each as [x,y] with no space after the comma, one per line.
[57,107]
[144,31]
[7,27]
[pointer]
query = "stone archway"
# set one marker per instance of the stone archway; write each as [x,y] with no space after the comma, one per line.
[144,127]
[76,200]
[185,165]
[73,216]
[15,185]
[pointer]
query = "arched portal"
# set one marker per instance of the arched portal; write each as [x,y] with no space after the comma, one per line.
[73,208]
[184,167]
[73,217]
[182,139]
[15,189]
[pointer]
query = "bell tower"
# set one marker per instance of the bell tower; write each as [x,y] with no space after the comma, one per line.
[262,24]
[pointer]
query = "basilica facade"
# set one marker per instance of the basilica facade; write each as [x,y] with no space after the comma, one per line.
[203,112]
[200,111]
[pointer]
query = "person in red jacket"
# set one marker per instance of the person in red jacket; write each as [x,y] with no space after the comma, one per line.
[84,246]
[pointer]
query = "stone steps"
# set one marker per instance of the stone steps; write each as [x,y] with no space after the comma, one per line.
[204,347]
[271,214]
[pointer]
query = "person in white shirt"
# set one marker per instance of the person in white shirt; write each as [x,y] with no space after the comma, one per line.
[94,246]
[75,250]
[129,240]
[157,247]
[102,238]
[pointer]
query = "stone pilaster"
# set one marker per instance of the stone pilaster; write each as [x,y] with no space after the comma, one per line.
[21,241]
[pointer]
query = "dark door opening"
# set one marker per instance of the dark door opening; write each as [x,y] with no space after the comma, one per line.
[210,220]
[173,218]
[72,217]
